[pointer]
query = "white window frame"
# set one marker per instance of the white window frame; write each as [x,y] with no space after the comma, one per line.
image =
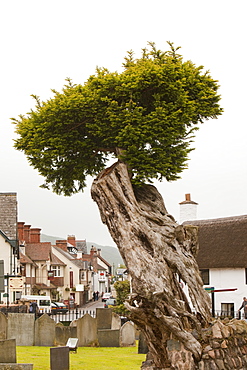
[57,270]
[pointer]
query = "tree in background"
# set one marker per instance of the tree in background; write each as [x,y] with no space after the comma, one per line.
[145,117]
[123,290]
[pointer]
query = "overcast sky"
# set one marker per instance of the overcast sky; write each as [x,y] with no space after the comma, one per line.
[43,42]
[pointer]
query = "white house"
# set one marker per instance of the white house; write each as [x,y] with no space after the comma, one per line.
[222,259]
[76,274]
[9,256]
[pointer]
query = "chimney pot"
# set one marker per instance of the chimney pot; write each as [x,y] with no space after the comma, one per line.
[187,197]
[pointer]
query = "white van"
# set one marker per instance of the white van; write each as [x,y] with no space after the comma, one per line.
[43,302]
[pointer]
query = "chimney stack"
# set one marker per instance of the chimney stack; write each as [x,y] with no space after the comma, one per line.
[27,233]
[21,231]
[35,235]
[62,244]
[188,209]
[71,240]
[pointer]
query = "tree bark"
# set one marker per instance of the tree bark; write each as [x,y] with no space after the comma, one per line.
[158,254]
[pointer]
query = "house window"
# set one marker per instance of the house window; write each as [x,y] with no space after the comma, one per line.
[205,276]
[227,310]
[56,270]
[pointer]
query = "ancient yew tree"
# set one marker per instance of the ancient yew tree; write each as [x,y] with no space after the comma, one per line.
[145,117]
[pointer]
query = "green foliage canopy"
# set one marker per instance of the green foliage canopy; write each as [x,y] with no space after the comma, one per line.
[145,116]
[123,291]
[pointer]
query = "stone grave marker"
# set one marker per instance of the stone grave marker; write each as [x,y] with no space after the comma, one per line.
[21,327]
[8,351]
[104,318]
[116,321]
[59,358]
[45,331]
[127,334]
[63,333]
[142,344]
[109,338]
[86,328]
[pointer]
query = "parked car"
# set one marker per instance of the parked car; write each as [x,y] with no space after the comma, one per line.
[106,296]
[110,303]
[58,307]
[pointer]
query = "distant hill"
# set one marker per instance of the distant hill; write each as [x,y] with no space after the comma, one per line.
[110,254]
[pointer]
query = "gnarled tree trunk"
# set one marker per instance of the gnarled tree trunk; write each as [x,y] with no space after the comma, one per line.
[159,254]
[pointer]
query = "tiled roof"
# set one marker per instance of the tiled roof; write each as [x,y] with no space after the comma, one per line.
[38,251]
[81,245]
[222,242]
[42,252]
[78,262]
[68,255]
[56,261]
[25,259]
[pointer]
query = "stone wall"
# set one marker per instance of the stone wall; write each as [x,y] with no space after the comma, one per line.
[224,348]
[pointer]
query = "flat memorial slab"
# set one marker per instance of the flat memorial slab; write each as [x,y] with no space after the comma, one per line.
[72,343]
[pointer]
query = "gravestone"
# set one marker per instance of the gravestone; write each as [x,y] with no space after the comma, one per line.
[63,333]
[116,321]
[21,327]
[109,338]
[104,318]
[127,335]
[142,344]
[86,330]
[44,331]
[59,358]
[8,351]
[3,326]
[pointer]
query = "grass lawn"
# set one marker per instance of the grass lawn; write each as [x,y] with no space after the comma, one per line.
[86,358]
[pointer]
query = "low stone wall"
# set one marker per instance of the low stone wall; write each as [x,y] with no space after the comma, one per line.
[14,308]
[16,366]
[224,348]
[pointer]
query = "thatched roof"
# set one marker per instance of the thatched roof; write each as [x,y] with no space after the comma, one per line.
[222,242]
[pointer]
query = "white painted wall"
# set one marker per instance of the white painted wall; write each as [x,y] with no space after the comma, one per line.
[225,279]
[69,267]
[5,254]
[9,263]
